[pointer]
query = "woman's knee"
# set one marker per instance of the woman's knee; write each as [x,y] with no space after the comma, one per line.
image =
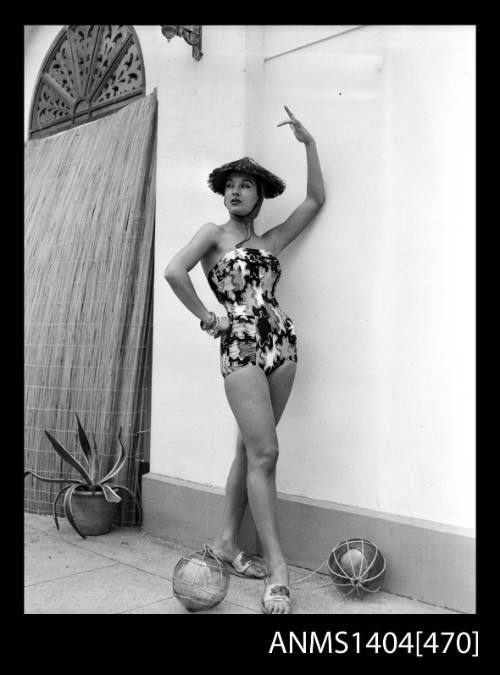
[240,446]
[263,456]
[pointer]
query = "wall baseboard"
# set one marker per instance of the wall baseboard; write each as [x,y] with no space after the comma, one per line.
[426,561]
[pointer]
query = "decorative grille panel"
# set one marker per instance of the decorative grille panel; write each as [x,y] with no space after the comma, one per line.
[89,72]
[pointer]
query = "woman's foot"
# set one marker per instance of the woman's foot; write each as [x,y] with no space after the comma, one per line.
[238,562]
[276,599]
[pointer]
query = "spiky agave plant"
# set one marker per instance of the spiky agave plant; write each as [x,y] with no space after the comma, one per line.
[90,481]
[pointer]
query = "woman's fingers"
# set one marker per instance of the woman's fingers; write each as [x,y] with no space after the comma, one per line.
[224,325]
[293,120]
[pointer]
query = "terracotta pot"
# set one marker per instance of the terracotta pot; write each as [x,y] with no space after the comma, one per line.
[92,513]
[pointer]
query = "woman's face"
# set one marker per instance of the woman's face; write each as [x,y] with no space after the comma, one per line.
[241,193]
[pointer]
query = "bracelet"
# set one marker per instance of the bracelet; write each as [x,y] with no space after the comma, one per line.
[209,325]
[214,330]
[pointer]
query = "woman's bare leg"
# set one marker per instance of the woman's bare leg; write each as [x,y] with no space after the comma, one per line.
[236,496]
[235,503]
[249,394]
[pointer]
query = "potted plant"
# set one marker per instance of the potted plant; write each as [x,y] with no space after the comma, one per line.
[89,504]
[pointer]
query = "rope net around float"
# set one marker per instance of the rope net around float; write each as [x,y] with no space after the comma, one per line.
[200,580]
[359,583]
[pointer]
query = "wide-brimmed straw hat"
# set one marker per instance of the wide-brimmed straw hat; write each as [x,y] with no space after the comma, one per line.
[273,186]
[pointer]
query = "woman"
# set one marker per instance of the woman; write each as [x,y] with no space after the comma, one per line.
[258,346]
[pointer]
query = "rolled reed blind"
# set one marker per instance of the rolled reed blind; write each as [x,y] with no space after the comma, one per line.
[89,235]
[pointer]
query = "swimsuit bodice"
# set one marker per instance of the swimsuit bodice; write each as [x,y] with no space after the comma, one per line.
[245,279]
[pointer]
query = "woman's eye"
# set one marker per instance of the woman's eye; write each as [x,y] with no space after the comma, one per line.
[243,185]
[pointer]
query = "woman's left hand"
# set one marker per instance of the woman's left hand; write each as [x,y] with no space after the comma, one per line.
[301,133]
[223,325]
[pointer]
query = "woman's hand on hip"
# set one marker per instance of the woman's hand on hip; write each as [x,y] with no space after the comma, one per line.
[220,328]
[224,325]
[301,133]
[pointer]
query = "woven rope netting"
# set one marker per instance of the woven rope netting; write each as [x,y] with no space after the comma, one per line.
[89,229]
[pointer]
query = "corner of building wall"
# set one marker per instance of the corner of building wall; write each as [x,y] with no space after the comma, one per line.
[254,83]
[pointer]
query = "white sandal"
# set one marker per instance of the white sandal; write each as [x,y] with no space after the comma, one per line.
[276,592]
[242,564]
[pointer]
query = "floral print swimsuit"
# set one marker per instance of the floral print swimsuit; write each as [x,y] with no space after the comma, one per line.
[259,333]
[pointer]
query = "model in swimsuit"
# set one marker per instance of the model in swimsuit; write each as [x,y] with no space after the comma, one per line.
[258,347]
[260,333]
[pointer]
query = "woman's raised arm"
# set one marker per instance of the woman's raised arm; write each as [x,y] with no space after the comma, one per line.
[280,236]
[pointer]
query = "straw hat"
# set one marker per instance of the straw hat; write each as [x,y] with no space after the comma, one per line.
[273,186]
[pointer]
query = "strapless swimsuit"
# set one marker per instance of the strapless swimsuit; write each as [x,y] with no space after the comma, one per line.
[260,333]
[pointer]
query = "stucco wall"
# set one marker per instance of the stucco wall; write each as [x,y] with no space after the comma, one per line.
[201,125]
[380,287]
[37,42]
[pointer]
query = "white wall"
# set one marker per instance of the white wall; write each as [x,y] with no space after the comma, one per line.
[201,125]
[381,286]
[37,42]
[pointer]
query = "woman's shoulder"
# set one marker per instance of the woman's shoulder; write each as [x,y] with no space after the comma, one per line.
[210,232]
[211,227]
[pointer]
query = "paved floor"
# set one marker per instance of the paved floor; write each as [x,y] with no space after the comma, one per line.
[129,572]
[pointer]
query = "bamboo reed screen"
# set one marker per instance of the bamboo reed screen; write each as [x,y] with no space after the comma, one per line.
[89,228]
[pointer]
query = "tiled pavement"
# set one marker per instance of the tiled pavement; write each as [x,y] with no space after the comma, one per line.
[130,572]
